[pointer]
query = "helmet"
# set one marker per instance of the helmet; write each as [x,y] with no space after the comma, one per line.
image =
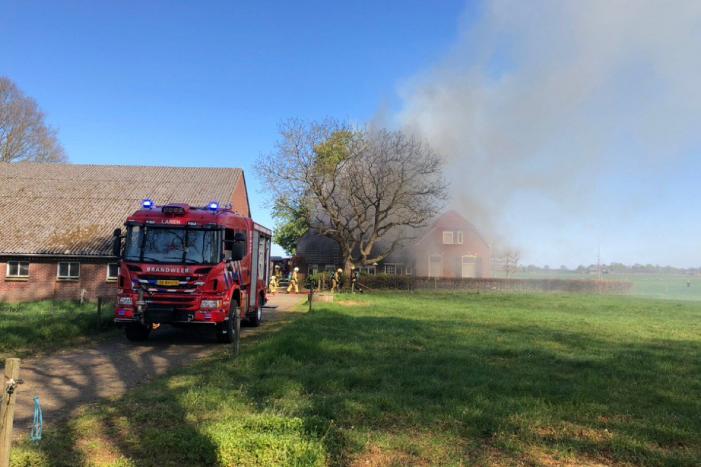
[277,266]
[296,269]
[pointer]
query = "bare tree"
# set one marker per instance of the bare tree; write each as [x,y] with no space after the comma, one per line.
[367,189]
[509,260]
[24,136]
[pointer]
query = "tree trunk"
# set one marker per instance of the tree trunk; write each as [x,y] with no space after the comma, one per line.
[347,266]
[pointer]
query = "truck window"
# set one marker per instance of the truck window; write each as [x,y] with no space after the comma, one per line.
[229,241]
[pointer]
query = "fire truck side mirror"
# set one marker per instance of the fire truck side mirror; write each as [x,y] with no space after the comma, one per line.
[117,242]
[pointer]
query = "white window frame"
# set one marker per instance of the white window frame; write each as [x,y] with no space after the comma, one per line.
[370,270]
[112,278]
[459,237]
[408,271]
[448,234]
[313,269]
[392,266]
[19,265]
[68,277]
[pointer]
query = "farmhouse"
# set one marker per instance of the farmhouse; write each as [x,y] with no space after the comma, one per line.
[451,247]
[56,220]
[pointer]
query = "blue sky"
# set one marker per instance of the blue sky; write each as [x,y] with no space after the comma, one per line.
[564,133]
[206,83]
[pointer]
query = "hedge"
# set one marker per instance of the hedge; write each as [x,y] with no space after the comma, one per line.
[388,281]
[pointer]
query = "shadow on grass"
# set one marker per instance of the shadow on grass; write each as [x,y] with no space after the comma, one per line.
[485,385]
[440,392]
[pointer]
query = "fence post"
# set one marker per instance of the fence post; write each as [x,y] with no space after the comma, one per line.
[99,313]
[7,409]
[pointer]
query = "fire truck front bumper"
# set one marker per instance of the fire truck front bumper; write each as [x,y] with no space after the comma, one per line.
[169,315]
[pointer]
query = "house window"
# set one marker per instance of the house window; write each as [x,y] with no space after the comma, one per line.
[408,271]
[458,237]
[368,270]
[313,269]
[18,269]
[112,271]
[447,237]
[390,269]
[330,268]
[68,270]
[435,266]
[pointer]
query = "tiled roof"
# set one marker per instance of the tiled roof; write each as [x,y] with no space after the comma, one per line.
[70,209]
[317,249]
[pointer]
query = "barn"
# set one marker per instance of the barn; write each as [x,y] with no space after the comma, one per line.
[56,220]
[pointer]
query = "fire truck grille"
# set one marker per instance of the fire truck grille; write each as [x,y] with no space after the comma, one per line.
[170,292]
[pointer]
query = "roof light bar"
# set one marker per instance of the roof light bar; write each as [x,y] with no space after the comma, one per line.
[147,203]
[213,206]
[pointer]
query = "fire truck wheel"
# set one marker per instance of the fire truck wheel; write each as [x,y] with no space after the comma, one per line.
[226,331]
[255,318]
[137,332]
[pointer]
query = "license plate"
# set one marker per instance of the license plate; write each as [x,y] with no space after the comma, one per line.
[167,283]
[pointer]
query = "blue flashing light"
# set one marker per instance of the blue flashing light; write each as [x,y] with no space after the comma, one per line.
[147,203]
[213,206]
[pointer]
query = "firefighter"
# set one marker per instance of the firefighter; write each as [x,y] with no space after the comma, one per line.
[294,284]
[274,283]
[337,281]
[354,279]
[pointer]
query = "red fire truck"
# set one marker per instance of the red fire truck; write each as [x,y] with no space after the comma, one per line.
[190,266]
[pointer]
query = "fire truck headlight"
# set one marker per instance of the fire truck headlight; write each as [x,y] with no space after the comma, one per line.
[210,304]
[125,301]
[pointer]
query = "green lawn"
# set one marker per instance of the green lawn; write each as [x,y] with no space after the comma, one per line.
[647,285]
[423,378]
[28,328]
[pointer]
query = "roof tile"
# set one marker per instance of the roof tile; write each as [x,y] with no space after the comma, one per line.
[72,209]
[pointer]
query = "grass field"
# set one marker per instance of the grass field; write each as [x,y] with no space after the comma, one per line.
[397,379]
[43,326]
[648,285]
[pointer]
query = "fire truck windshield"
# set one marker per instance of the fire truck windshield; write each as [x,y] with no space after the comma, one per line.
[172,245]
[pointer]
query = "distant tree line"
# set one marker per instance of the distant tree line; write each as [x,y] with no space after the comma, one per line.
[615,268]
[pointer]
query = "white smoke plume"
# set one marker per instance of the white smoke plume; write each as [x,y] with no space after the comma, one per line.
[562,121]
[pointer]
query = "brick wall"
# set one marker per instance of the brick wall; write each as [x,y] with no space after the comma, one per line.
[239,199]
[451,256]
[42,283]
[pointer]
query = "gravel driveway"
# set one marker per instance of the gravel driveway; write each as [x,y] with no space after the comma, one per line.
[67,379]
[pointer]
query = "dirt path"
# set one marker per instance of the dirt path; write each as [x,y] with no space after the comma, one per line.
[69,378]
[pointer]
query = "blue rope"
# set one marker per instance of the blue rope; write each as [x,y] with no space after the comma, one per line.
[38,424]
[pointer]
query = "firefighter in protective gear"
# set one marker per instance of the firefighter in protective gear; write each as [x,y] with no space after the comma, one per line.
[274,283]
[337,281]
[294,282]
[355,275]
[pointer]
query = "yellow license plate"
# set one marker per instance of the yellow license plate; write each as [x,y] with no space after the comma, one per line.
[167,283]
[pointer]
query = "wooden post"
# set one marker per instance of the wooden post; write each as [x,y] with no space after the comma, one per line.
[310,297]
[7,409]
[99,313]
